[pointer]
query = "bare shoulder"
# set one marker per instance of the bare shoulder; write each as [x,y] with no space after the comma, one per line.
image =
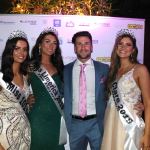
[141,70]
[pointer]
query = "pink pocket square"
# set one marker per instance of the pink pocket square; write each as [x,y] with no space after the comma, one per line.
[102,79]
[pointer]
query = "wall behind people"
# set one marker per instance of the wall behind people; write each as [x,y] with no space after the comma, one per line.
[103,30]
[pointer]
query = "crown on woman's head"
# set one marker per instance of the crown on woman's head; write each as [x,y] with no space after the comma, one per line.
[17,34]
[125,32]
[49,29]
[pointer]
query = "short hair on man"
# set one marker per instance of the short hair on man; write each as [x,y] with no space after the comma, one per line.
[81,33]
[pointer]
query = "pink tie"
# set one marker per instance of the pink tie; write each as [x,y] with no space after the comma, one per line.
[82,100]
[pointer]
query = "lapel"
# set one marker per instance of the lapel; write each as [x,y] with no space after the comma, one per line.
[98,72]
[69,80]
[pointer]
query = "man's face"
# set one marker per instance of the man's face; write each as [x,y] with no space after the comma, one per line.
[83,48]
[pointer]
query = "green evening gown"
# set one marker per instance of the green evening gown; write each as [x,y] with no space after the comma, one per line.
[44,117]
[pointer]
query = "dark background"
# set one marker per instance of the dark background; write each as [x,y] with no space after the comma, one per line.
[120,8]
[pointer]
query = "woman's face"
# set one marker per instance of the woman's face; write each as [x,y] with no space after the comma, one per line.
[20,52]
[48,45]
[125,48]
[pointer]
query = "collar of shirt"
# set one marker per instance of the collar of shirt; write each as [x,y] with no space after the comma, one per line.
[89,62]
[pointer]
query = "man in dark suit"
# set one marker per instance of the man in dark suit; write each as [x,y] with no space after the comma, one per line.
[89,127]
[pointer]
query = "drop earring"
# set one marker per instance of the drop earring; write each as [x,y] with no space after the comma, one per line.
[131,58]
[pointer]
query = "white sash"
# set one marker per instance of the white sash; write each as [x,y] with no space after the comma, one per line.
[53,91]
[133,127]
[17,92]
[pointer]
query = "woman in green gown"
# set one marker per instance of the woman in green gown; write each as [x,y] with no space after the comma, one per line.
[46,80]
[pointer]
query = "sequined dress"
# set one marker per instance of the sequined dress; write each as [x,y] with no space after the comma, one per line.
[44,117]
[115,135]
[14,125]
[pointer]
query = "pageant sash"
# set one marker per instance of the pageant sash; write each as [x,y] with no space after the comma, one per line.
[133,127]
[19,94]
[16,91]
[53,91]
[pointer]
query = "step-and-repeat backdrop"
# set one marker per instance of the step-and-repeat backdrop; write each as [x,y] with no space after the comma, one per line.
[103,30]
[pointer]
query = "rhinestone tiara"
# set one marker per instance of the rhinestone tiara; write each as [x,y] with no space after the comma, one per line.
[17,34]
[49,29]
[125,32]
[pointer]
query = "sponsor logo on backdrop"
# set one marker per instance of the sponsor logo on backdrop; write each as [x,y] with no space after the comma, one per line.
[135,26]
[95,41]
[103,59]
[31,22]
[70,24]
[7,22]
[57,23]
[68,59]
[102,24]
[69,41]
[84,24]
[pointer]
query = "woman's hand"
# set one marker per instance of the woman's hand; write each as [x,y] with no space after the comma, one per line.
[31,100]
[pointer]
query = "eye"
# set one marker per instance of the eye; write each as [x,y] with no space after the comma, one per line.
[120,44]
[25,49]
[20,49]
[129,44]
[50,42]
[47,41]
[16,48]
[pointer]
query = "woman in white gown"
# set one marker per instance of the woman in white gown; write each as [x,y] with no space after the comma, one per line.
[14,125]
[128,83]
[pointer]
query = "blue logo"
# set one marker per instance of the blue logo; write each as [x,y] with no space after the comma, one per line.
[95,41]
[57,23]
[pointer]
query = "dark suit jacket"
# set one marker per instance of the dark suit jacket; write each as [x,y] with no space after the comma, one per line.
[101,72]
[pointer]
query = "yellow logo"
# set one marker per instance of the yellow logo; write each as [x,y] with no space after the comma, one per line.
[135,26]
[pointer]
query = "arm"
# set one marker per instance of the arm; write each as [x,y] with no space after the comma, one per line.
[1,147]
[143,79]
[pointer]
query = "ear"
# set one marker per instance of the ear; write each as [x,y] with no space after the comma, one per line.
[75,50]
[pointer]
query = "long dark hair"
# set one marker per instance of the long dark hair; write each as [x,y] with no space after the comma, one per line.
[7,59]
[115,60]
[56,59]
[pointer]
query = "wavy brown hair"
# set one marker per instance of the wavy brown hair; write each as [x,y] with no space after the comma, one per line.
[115,60]
[56,58]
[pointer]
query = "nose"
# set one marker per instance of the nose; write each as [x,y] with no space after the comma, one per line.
[52,45]
[83,45]
[123,46]
[22,52]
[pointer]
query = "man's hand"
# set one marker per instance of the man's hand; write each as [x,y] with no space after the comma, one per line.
[31,100]
[139,107]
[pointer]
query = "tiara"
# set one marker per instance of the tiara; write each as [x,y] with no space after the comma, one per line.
[49,29]
[125,32]
[17,34]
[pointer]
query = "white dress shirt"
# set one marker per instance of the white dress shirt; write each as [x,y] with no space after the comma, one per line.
[90,84]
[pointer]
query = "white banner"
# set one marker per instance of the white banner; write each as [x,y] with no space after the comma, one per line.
[103,30]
